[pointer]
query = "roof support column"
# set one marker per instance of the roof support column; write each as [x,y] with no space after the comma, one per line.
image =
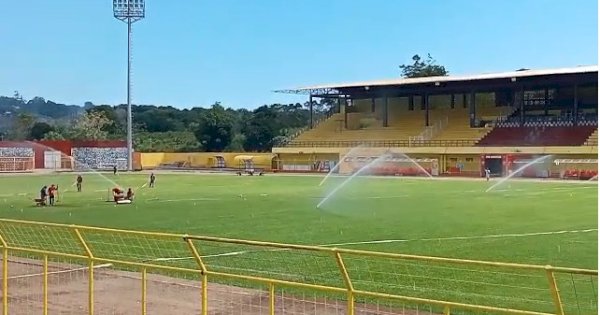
[546,105]
[310,108]
[345,113]
[522,105]
[425,99]
[411,103]
[372,104]
[575,104]
[471,109]
[464,102]
[452,100]
[385,111]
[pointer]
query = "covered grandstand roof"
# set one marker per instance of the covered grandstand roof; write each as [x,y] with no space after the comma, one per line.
[443,79]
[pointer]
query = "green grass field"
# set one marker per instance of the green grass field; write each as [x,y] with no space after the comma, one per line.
[519,221]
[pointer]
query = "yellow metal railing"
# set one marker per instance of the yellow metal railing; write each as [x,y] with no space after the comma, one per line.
[145,253]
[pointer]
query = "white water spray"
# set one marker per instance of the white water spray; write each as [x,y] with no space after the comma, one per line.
[519,170]
[74,162]
[415,163]
[337,165]
[340,186]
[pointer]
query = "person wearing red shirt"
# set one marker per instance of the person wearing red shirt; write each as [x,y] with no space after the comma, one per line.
[117,194]
[51,194]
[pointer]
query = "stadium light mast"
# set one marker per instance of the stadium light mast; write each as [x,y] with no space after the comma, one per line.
[129,11]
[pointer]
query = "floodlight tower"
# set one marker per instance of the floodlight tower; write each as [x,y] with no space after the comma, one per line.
[129,11]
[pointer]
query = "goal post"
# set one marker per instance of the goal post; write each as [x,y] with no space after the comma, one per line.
[10,164]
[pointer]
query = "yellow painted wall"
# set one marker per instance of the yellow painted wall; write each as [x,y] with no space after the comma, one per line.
[201,159]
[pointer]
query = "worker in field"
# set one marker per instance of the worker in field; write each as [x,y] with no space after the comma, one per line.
[129,195]
[79,181]
[43,195]
[52,193]
[152,180]
[117,194]
[115,170]
[487,174]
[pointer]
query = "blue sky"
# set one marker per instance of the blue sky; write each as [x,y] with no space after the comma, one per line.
[195,52]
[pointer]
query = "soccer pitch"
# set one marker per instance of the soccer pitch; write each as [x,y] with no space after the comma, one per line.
[544,223]
[518,221]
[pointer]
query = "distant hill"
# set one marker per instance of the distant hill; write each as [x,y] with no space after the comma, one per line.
[38,107]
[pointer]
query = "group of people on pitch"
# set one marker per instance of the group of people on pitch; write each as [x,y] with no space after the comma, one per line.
[119,195]
[48,195]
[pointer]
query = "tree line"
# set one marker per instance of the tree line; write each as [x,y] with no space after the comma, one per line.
[169,129]
[158,128]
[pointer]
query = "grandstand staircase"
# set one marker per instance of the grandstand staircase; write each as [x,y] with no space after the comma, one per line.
[592,139]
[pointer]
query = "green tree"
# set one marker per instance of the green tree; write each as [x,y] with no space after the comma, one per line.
[22,126]
[39,130]
[423,68]
[53,135]
[261,129]
[214,130]
[90,126]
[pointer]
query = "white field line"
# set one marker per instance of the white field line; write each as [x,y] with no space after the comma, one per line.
[463,237]
[187,199]
[544,190]
[490,236]
[58,272]
[387,197]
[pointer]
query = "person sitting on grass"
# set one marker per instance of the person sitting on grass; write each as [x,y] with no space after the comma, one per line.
[129,194]
[117,194]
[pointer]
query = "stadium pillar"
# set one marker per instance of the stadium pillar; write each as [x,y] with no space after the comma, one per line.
[411,103]
[426,105]
[464,103]
[310,108]
[452,100]
[522,105]
[385,111]
[372,104]
[472,109]
[575,105]
[546,101]
[345,113]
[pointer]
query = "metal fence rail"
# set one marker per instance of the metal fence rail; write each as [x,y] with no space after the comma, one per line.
[357,278]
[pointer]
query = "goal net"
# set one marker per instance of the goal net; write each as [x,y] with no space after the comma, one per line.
[16,164]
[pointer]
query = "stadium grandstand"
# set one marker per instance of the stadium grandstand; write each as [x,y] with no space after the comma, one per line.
[466,123]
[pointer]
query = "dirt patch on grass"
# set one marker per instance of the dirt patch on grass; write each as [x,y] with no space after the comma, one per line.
[120,292]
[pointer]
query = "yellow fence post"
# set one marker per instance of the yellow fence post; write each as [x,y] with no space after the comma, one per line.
[45,286]
[204,295]
[90,271]
[271,298]
[144,290]
[347,281]
[4,276]
[554,291]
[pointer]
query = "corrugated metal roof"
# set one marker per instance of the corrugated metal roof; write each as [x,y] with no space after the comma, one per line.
[501,75]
